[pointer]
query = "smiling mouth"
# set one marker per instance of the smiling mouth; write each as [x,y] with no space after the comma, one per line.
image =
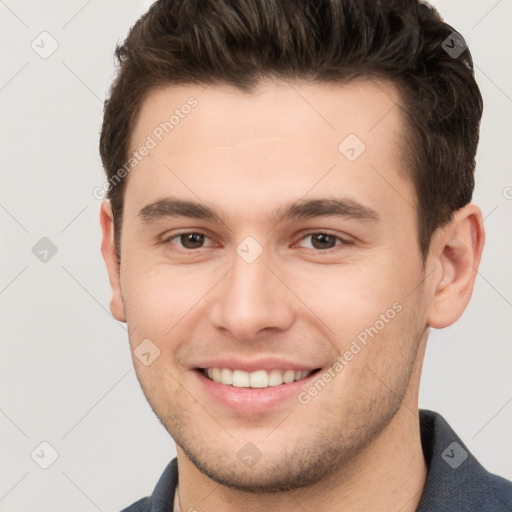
[257,379]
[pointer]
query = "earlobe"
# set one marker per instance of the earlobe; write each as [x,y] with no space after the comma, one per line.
[457,250]
[109,255]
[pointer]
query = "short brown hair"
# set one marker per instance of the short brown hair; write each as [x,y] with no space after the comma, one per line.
[241,42]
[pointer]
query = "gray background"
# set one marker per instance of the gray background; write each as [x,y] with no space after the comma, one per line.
[65,368]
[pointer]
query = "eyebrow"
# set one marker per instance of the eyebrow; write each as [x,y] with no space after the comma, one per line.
[169,207]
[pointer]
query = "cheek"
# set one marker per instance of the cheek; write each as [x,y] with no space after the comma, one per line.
[346,297]
[363,304]
[158,297]
[376,355]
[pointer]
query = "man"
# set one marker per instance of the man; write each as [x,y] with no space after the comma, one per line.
[288,214]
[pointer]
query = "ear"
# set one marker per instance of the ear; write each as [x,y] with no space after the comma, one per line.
[109,255]
[455,254]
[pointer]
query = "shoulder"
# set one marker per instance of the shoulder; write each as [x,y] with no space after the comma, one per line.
[456,480]
[501,490]
[162,497]
[142,505]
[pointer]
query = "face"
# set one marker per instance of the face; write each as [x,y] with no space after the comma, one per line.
[272,231]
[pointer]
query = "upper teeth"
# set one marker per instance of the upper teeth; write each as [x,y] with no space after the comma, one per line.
[257,379]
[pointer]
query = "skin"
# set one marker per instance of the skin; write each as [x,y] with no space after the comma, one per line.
[355,446]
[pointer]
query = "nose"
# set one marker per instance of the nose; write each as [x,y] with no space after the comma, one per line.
[250,299]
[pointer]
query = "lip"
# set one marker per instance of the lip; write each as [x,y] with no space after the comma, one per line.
[249,401]
[267,363]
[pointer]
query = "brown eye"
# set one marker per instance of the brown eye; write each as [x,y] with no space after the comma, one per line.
[188,240]
[192,240]
[323,241]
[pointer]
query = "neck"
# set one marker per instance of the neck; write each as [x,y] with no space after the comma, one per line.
[389,474]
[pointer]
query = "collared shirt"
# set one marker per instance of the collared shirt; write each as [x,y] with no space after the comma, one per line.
[456,481]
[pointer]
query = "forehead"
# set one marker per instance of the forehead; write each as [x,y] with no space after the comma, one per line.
[272,109]
[289,138]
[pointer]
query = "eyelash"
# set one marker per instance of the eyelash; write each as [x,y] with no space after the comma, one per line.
[343,241]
